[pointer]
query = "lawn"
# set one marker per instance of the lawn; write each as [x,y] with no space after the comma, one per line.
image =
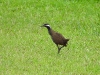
[27,49]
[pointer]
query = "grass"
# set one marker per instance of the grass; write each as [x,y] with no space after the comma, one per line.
[27,49]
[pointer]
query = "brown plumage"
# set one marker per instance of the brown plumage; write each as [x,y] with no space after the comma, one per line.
[57,38]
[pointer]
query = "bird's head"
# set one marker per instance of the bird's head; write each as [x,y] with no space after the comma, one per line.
[46,25]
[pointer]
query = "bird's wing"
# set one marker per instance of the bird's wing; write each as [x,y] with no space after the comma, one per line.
[59,35]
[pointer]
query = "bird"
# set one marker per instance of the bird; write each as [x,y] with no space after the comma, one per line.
[57,38]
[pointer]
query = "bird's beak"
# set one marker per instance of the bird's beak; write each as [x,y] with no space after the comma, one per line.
[42,26]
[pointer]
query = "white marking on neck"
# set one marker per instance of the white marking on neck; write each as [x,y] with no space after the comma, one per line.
[48,25]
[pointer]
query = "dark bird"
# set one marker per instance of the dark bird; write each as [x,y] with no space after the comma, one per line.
[57,38]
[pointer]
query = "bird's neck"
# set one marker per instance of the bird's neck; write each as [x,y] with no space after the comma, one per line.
[49,30]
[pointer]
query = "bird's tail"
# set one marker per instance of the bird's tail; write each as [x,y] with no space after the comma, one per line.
[66,40]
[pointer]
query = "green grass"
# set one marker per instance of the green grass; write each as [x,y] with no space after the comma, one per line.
[27,49]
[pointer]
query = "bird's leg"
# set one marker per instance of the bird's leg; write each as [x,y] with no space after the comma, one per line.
[62,47]
[58,49]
